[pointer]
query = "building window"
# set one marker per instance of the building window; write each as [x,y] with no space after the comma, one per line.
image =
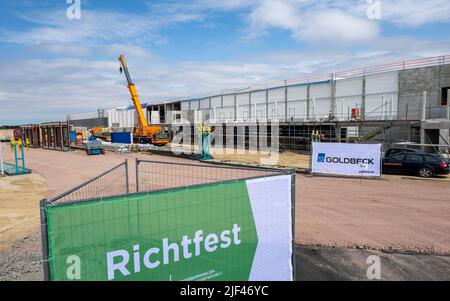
[444,100]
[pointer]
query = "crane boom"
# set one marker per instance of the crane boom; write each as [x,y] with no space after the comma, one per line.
[134,95]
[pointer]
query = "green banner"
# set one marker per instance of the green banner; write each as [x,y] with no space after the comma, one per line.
[200,233]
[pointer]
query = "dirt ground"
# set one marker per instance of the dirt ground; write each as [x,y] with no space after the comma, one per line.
[5,134]
[396,214]
[19,207]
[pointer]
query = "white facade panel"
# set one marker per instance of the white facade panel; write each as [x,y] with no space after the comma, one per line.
[381,106]
[259,111]
[382,83]
[297,109]
[344,106]
[320,91]
[243,99]
[259,97]
[204,103]
[228,101]
[195,104]
[243,113]
[227,114]
[185,106]
[349,87]
[276,110]
[321,109]
[277,95]
[297,93]
[216,102]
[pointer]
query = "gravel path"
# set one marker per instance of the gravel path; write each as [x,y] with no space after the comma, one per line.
[22,262]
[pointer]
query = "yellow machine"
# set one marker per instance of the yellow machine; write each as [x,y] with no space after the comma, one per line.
[101,133]
[143,133]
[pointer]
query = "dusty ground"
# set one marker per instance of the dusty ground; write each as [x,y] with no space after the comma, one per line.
[5,134]
[19,207]
[396,215]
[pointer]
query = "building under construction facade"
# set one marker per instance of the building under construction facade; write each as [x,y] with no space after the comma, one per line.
[403,102]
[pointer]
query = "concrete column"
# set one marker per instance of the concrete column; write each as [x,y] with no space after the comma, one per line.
[448,104]
[308,89]
[286,103]
[250,115]
[424,106]
[423,139]
[314,109]
[333,96]
[363,102]
[235,107]
[444,139]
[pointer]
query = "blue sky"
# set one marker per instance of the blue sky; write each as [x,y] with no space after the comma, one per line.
[53,66]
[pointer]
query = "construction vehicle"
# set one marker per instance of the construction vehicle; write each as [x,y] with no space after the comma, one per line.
[143,134]
[94,146]
[101,133]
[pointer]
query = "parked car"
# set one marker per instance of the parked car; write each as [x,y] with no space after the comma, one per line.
[421,164]
[394,151]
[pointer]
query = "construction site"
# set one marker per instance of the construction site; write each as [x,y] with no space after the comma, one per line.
[256,133]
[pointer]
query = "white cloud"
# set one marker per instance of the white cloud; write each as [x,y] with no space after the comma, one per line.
[336,26]
[409,13]
[95,27]
[274,13]
[317,25]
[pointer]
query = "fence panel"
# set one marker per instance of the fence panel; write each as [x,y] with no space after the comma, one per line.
[157,175]
[112,182]
[233,229]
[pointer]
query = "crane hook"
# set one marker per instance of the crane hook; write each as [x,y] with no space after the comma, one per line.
[121,70]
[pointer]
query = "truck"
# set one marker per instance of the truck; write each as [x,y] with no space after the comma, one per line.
[143,133]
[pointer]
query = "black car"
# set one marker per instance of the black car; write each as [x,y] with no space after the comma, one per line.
[421,164]
[394,151]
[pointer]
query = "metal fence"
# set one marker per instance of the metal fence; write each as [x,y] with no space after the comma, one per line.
[172,199]
[157,175]
[114,181]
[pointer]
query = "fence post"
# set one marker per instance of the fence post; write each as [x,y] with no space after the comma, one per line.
[137,174]
[45,257]
[294,269]
[126,176]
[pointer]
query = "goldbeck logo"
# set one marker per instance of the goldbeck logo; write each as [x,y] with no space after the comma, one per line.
[322,158]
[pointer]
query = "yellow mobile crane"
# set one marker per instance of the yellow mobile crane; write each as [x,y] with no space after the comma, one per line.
[144,133]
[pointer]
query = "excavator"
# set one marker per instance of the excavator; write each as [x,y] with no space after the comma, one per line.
[144,133]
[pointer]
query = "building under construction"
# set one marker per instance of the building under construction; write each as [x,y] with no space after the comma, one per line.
[403,102]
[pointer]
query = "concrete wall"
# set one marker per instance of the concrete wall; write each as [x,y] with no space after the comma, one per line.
[413,82]
[90,123]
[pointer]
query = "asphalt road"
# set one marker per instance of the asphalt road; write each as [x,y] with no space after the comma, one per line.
[334,264]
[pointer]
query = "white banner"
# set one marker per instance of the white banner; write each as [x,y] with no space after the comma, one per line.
[271,201]
[349,159]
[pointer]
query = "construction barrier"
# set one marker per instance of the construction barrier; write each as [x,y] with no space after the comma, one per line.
[347,159]
[235,229]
